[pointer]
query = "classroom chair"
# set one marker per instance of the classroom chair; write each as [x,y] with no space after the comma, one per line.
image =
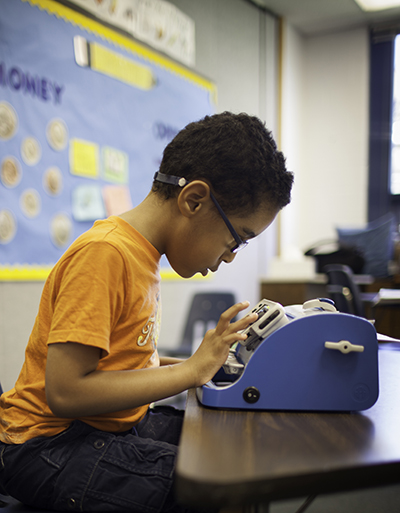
[203,314]
[344,291]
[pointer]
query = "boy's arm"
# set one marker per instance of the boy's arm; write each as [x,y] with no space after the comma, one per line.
[74,388]
[170,360]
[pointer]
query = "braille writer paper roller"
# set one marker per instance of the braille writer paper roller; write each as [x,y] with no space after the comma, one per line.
[306,357]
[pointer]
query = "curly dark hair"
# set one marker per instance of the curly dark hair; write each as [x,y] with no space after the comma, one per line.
[234,153]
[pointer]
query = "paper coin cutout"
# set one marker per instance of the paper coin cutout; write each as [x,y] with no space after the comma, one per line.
[10,172]
[57,134]
[61,230]
[30,203]
[30,151]
[52,181]
[8,121]
[8,226]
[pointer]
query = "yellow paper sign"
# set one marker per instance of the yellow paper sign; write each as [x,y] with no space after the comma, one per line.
[84,158]
[112,64]
[119,67]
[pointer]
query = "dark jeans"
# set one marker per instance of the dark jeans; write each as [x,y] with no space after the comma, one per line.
[84,469]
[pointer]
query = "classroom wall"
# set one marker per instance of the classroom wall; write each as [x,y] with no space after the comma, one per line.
[325,134]
[18,308]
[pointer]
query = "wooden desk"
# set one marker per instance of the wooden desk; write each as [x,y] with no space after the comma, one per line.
[296,291]
[292,291]
[241,458]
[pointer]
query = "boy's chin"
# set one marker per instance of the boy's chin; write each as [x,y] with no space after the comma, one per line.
[183,273]
[186,275]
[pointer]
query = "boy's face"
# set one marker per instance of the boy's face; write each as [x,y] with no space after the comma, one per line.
[207,241]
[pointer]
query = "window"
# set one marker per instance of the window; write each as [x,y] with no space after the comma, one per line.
[384,130]
[394,175]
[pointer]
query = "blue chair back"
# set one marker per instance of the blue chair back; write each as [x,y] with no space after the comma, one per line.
[204,313]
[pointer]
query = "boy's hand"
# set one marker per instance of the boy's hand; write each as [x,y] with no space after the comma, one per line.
[214,350]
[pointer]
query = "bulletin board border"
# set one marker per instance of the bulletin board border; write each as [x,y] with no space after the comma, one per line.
[24,273]
[41,273]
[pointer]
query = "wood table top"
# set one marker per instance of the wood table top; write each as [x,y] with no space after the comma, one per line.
[241,457]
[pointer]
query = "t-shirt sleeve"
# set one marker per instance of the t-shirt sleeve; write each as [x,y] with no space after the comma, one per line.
[89,296]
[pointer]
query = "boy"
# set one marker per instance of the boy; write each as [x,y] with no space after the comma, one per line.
[76,432]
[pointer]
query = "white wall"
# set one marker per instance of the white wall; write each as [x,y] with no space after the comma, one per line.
[18,308]
[325,134]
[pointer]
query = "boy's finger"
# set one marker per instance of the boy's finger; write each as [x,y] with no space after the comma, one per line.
[243,323]
[229,314]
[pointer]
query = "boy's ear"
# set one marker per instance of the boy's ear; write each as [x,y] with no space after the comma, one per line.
[193,198]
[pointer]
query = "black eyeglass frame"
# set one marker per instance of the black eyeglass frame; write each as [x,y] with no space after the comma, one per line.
[181,182]
[240,243]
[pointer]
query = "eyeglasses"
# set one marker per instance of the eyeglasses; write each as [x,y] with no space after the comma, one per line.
[240,244]
[181,182]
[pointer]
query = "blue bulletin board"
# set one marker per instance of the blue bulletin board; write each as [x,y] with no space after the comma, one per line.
[85,113]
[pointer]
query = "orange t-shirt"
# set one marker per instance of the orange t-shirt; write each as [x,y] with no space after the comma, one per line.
[103,292]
